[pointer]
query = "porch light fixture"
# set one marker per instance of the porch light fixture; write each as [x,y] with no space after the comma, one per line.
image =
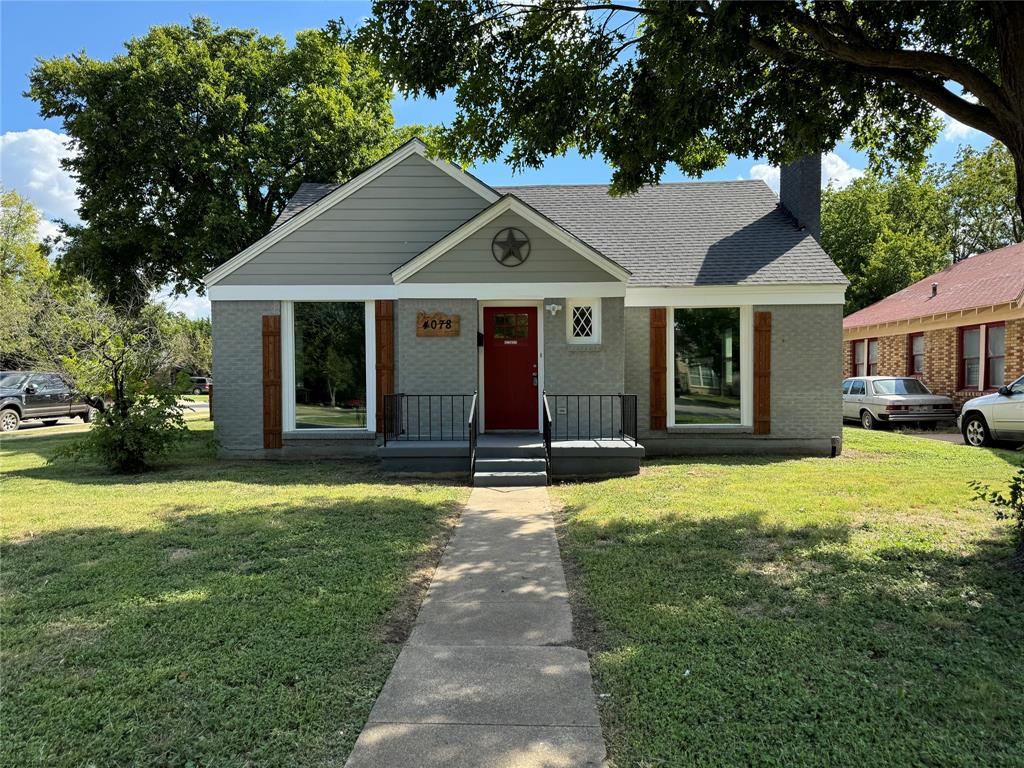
[554,309]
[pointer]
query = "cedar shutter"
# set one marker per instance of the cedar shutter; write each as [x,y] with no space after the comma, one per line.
[762,373]
[385,318]
[659,408]
[271,381]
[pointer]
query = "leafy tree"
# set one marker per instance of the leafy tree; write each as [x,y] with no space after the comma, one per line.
[125,354]
[189,144]
[190,343]
[885,234]
[981,189]
[888,233]
[654,82]
[1008,506]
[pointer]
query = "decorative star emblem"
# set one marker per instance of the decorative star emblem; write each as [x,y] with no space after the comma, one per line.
[510,247]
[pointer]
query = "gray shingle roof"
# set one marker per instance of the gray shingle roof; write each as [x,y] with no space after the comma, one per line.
[693,233]
[307,194]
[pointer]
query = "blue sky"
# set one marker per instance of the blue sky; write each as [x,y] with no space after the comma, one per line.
[30,147]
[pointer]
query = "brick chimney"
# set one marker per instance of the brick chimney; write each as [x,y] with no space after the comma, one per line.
[800,192]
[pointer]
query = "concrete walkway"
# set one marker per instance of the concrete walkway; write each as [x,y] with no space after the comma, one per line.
[488,678]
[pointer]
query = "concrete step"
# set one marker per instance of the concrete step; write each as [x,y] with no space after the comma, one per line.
[509,479]
[510,464]
[525,450]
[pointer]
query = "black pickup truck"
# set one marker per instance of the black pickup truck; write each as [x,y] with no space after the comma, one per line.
[40,395]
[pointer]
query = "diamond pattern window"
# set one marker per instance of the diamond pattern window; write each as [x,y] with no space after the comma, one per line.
[584,321]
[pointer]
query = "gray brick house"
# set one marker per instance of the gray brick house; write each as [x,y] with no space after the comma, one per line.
[417,314]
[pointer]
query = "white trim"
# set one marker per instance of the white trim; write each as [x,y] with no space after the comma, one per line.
[288,374]
[482,219]
[735,295]
[481,389]
[413,147]
[595,321]
[480,291]
[287,366]
[370,354]
[746,372]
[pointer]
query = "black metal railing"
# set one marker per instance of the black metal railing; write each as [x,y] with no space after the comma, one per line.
[427,417]
[472,430]
[592,417]
[547,431]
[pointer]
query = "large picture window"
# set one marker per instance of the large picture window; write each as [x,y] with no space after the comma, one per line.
[706,366]
[330,365]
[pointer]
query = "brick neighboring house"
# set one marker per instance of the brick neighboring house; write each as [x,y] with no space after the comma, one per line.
[960,330]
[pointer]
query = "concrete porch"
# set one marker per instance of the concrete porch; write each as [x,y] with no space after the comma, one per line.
[501,455]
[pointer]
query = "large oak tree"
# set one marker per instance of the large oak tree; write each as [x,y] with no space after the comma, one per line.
[651,82]
[189,144]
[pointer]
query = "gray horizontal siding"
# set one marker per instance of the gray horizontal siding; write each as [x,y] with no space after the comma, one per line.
[362,239]
[471,261]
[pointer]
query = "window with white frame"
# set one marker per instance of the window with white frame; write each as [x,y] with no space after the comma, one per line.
[583,319]
[329,365]
[707,376]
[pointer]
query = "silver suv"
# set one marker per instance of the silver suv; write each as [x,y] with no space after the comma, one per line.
[999,416]
[874,400]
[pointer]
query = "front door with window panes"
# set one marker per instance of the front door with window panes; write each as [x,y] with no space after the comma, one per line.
[511,388]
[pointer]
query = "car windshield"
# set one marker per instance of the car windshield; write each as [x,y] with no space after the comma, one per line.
[900,387]
[12,379]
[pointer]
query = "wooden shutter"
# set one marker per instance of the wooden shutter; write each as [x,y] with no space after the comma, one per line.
[385,314]
[659,407]
[271,381]
[762,373]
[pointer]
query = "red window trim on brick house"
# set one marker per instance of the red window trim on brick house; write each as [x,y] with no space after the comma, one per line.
[961,368]
[911,368]
[867,342]
[989,384]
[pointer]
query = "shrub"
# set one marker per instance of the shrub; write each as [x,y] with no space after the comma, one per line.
[1008,506]
[130,439]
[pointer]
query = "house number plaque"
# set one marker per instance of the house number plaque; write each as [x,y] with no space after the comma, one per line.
[436,324]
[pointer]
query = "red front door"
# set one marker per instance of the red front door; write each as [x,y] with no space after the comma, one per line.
[510,368]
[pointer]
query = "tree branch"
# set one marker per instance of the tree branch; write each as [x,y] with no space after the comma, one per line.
[944,65]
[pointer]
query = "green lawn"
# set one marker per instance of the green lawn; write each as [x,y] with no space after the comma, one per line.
[816,612]
[209,614]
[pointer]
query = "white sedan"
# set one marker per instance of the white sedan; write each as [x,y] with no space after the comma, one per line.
[999,416]
[874,400]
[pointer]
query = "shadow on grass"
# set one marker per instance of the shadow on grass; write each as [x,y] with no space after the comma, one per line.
[249,638]
[727,641]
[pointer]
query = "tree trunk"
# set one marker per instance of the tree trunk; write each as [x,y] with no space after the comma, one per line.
[1008,18]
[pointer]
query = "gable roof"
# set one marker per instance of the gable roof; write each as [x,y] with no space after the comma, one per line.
[672,234]
[511,203]
[309,206]
[986,280]
[691,233]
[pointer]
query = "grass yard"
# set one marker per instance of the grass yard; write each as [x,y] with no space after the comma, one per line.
[847,612]
[209,614]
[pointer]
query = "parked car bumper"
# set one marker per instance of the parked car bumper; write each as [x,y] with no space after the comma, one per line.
[918,416]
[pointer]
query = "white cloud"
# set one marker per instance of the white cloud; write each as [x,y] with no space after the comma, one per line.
[47,229]
[834,170]
[30,164]
[955,131]
[769,174]
[192,304]
[837,172]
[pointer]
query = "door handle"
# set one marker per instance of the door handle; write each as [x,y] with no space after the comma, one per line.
[535,379]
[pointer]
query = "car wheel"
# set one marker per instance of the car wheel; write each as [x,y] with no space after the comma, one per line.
[867,420]
[50,422]
[89,415]
[976,432]
[9,420]
[197,391]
